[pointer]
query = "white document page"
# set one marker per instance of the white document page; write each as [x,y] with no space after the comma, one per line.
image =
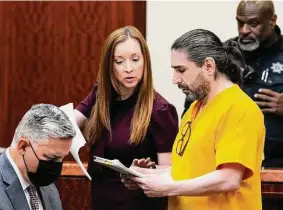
[78,141]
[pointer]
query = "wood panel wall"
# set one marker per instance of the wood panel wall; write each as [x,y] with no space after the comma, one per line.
[49,52]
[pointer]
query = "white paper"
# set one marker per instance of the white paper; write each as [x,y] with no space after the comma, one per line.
[117,166]
[78,141]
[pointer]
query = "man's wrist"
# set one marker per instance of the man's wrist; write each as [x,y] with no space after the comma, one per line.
[178,188]
[174,188]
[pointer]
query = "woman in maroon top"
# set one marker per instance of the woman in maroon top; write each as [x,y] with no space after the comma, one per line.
[125,118]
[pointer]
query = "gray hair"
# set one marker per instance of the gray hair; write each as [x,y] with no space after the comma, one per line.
[44,121]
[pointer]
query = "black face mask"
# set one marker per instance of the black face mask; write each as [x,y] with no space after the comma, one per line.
[47,172]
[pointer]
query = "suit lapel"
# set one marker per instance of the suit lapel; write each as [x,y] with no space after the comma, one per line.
[44,199]
[16,195]
[14,189]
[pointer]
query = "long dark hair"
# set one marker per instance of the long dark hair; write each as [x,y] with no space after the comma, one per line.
[200,44]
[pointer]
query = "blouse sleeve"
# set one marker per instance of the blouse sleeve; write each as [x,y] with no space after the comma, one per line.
[164,127]
[85,106]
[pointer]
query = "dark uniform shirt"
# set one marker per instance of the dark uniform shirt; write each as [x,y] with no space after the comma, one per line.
[267,63]
[107,191]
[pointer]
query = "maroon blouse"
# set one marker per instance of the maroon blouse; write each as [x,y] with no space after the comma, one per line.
[108,193]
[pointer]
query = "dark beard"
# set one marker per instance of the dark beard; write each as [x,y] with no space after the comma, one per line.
[198,90]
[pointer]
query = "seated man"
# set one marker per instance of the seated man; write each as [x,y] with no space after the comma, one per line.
[34,160]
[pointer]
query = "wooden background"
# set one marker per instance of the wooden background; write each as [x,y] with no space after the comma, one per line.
[49,53]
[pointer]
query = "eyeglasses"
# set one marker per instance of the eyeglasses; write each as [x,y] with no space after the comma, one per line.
[182,144]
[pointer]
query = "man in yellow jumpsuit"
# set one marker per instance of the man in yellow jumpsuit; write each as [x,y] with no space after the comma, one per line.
[217,154]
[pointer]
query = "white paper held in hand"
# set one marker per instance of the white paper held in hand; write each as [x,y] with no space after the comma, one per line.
[78,141]
[116,165]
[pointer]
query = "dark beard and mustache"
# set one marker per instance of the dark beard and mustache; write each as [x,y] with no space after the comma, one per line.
[198,90]
[248,43]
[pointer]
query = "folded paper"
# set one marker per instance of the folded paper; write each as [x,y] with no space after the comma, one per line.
[78,141]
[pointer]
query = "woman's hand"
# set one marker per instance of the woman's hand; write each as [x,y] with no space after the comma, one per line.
[143,163]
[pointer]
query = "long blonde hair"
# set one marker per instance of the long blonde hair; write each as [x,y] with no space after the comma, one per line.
[100,114]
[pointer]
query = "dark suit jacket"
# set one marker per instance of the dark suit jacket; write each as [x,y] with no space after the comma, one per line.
[12,196]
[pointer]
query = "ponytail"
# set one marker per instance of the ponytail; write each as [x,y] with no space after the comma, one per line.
[235,62]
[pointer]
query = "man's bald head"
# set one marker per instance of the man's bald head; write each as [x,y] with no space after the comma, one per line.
[265,8]
[256,23]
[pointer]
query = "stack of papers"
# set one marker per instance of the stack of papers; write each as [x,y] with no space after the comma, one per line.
[116,165]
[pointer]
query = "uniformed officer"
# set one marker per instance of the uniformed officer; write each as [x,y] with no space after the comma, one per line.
[261,40]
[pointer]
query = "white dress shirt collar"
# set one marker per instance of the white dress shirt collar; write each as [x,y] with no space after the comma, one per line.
[23,182]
